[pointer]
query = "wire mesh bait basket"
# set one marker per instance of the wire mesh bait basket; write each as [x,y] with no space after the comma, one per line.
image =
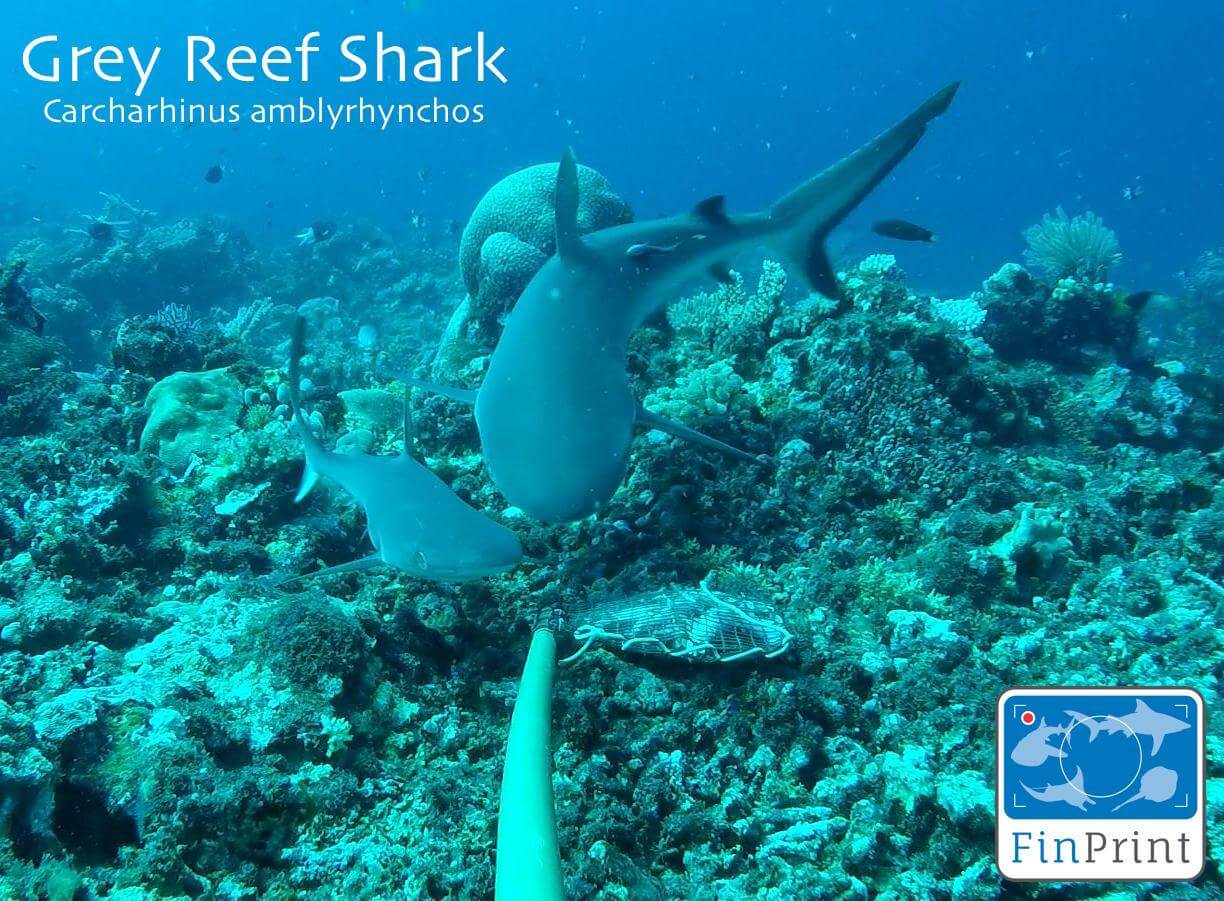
[695,624]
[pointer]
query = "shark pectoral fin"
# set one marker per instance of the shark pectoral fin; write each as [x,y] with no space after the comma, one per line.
[462,395]
[676,430]
[722,273]
[565,204]
[713,210]
[353,566]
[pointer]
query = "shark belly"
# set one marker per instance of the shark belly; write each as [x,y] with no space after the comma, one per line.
[555,412]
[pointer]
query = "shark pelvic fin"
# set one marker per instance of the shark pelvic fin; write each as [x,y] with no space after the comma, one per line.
[353,566]
[677,430]
[310,478]
[569,239]
[713,210]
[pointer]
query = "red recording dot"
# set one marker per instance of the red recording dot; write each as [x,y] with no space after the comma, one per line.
[1028,718]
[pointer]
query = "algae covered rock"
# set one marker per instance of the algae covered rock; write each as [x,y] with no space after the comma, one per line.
[189,412]
[146,346]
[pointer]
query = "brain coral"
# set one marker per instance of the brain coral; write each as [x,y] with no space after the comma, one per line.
[522,205]
[188,412]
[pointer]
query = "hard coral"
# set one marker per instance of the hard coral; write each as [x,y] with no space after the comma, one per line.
[188,412]
[521,205]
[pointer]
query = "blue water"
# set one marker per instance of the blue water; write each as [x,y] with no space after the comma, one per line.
[1069,104]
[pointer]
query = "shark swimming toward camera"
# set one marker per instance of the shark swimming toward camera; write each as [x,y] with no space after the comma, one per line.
[555,411]
[416,523]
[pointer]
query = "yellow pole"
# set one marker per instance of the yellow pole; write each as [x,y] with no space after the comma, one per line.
[528,861]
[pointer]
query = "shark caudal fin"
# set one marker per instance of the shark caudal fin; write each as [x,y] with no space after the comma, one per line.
[804,217]
[314,450]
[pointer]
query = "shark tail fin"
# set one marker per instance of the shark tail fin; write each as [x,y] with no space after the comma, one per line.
[804,217]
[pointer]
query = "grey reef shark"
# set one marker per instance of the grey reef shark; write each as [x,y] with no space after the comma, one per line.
[417,524]
[555,411]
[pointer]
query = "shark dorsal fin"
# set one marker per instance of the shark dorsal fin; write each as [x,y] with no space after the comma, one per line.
[1077,781]
[1141,707]
[713,210]
[565,202]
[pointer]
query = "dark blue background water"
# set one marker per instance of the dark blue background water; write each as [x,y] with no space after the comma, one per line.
[1064,103]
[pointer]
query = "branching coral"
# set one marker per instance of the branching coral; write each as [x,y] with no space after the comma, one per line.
[1062,246]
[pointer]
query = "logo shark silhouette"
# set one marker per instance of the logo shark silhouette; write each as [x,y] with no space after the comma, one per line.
[1032,750]
[1071,792]
[1144,721]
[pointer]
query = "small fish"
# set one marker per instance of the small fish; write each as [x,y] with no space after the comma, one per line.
[901,230]
[214,174]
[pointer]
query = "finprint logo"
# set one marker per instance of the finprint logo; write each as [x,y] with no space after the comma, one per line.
[1100,784]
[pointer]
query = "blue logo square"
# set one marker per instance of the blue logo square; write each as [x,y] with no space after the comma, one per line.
[1127,756]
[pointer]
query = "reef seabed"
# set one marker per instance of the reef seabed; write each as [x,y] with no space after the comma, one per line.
[965,494]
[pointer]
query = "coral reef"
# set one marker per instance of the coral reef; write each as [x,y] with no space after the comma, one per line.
[967,493]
